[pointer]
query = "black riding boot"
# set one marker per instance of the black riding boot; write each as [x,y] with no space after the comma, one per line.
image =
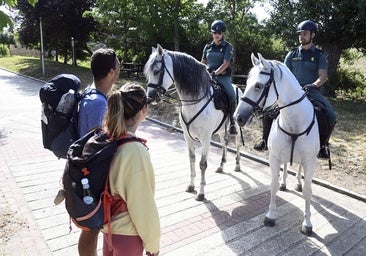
[232,129]
[262,144]
[324,152]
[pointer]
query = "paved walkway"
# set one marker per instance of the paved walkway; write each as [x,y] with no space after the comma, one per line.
[230,222]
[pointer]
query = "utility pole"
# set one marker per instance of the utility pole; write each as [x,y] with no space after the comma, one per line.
[73,51]
[42,51]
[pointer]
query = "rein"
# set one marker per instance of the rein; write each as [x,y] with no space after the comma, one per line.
[161,90]
[257,109]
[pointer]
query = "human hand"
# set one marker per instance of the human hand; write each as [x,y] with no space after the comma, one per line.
[308,87]
[213,74]
[152,254]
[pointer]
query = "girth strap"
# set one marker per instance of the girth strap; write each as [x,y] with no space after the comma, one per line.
[294,136]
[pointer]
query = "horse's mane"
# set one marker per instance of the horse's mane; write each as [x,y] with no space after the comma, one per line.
[190,75]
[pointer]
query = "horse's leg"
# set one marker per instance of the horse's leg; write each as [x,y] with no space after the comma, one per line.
[203,166]
[309,168]
[283,178]
[298,186]
[275,169]
[224,142]
[192,161]
[237,159]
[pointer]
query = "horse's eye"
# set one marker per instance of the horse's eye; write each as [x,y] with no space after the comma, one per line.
[258,86]
[156,72]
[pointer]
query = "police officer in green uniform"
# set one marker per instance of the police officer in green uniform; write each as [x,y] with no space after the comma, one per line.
[217,56]
[310,67]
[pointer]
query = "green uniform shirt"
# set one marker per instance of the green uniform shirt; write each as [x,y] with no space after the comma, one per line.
[305,64]
[216,54]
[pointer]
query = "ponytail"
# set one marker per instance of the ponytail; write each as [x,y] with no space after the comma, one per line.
[123,104]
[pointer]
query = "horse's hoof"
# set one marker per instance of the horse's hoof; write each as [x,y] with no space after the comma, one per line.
[219,170]
[237,169]
[200,197]
[190,189]
[307,230]
[282,187]
[269,222]
[298,188]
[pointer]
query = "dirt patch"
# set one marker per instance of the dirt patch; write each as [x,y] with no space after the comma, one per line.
[10,224]
[347,145]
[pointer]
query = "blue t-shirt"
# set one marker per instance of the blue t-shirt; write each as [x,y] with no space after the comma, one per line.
[305,64]
[91,112]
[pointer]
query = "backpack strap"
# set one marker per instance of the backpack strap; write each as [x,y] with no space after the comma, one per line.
[114,205]
[89,90]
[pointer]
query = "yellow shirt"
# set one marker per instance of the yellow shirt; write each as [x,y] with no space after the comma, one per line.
[132,177]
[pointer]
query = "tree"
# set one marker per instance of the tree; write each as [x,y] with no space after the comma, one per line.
[342,25]
[4,18]
[61,20]
[135,26]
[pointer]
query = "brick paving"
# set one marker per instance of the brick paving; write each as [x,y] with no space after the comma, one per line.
[228,222]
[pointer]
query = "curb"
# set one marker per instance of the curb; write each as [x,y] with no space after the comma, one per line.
[264,161]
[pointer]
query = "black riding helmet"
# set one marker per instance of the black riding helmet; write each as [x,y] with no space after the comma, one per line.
[307,25]
[218,26]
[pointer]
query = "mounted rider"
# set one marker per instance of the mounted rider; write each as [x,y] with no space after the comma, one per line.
[309,65]
[217,55]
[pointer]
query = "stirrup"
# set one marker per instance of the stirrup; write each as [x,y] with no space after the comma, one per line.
[324,153]
[233,130]
[261,146]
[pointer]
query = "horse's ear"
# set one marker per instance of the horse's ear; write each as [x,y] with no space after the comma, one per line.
[255,60]
[264,62]
[160,49]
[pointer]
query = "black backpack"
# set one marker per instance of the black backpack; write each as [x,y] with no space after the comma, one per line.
[59,130]
[90,157]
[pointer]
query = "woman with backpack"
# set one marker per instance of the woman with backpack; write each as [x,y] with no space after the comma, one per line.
[131,177]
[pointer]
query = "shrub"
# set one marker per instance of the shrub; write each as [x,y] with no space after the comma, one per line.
[351,84]
[4,50]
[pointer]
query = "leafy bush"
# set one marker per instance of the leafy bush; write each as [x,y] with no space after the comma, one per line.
[351,84]
[4,50]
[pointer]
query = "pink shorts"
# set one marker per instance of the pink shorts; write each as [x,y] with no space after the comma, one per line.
[123,245]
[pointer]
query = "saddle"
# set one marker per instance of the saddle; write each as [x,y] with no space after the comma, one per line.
[220,97]
[320,113]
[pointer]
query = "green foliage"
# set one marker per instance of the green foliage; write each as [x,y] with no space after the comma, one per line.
[61,21]
[4,50]
[4,18]
[341,25]
[349,56]
[351,84]
[6,38]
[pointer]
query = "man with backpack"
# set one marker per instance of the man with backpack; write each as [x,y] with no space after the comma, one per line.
[105,68]
[310,67]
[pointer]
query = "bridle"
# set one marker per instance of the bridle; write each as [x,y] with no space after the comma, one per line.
[159,88]
[162,91]
[258,110]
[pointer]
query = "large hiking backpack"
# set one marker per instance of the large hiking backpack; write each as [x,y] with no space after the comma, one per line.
[59,130]
[90,157]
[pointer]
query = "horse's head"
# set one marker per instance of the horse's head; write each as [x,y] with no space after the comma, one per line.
[158,71]
[257,94]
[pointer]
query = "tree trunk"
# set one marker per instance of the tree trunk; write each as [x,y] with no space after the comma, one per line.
[334,53]
[176,26]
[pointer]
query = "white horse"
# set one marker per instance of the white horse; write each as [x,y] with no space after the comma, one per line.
[198,116]
[294,135]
